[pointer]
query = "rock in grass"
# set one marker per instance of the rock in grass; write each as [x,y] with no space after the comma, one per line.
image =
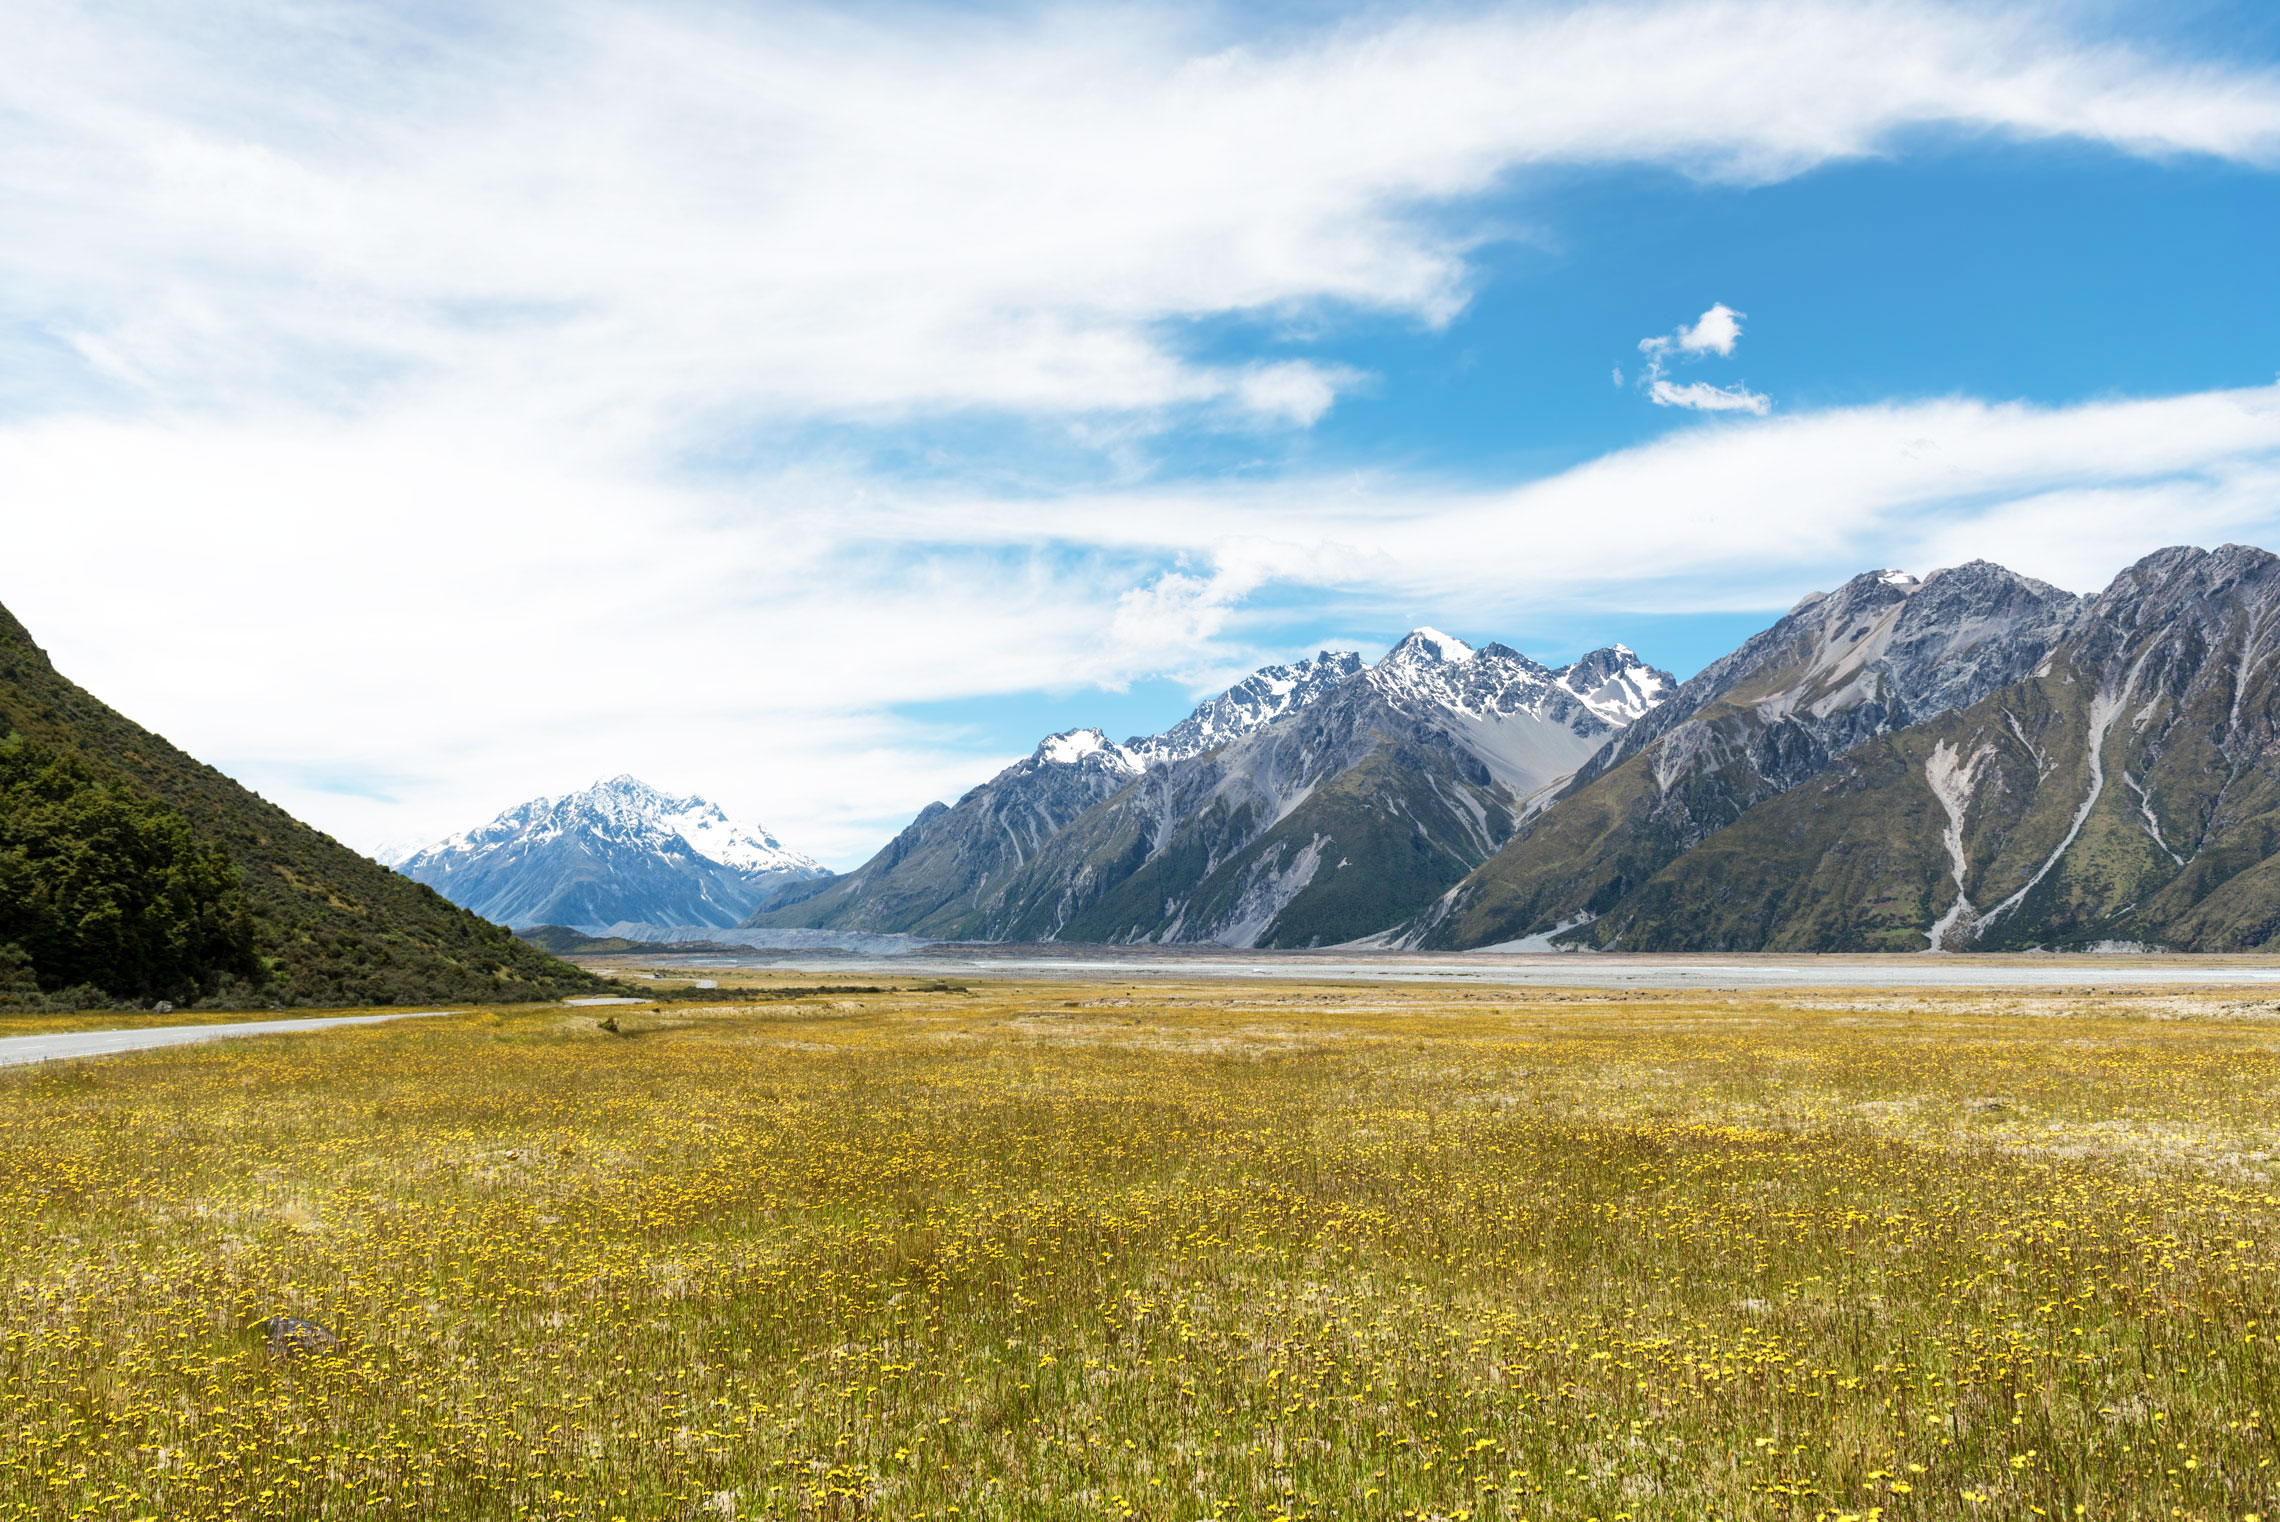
[291,1337]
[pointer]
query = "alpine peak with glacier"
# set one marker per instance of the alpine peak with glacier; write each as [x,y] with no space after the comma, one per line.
[617,851]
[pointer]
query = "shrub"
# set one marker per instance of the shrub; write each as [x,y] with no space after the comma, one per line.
[102,886]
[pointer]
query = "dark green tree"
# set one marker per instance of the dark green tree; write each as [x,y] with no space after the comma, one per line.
[103,887]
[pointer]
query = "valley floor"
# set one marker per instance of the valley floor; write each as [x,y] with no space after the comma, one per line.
[1723,972]
[1171,1249]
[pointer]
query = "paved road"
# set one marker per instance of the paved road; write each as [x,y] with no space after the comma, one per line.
[65,1044]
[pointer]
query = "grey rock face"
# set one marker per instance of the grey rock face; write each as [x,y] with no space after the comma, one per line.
[1213,830]
[1334,821]
[947,873]
[1218,848]
[2123,791]
[1881,652]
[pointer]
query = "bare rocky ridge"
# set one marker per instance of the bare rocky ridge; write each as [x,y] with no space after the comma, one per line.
[1253,703]
[1881,652]
[2114,786]
[1311,803]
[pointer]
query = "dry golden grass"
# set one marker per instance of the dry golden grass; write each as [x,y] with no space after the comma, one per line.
[1174,1252]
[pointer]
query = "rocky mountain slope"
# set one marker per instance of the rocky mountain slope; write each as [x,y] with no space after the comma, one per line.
[1346,808]
[1880,653]
[329,926]
[2126,792]
[617,851]
[945,875]
[2121,789]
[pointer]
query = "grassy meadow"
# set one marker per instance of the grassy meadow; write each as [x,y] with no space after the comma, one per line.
[1164,1251]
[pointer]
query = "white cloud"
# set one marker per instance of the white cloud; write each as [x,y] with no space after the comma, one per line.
[659,219]
[1714,332]
[459,618]
[1745,516]
[1292,392]
[387,334]
[1701,396]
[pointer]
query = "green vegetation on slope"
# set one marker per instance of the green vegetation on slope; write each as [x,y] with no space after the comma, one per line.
[329,926]
[102,888]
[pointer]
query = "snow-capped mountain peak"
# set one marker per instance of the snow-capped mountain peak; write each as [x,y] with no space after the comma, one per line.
[1429,647]
[627,811]
[1435,669]
[618,850]
[1071,746]
[1258,700]
[1615,684]
[1253,703]
[1528,723]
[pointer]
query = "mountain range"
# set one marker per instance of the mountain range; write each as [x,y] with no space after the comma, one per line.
[1969,760]
[1976,761]
[1310,804]
[616,851]
[1972,759]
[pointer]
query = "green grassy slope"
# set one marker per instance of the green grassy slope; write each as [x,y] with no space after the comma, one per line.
[334,926]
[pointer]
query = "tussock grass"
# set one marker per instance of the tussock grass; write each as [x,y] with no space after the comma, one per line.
[1178,1252]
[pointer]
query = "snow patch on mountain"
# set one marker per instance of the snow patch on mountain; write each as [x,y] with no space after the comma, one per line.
[1072,746]
[1530,724]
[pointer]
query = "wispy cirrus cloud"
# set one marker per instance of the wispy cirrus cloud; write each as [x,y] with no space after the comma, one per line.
[678,218]
[755,645]
[384,337]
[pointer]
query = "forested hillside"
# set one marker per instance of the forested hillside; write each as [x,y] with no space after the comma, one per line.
[324,925]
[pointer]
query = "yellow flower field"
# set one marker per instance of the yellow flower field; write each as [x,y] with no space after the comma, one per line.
[1165,1251]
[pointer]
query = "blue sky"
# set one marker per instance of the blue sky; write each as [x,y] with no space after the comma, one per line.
[2044,273]
[813,406]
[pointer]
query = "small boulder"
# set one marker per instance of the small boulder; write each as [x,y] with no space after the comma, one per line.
[162,1007]
[291,1337]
